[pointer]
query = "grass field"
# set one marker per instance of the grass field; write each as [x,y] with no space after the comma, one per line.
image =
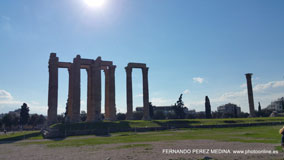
[260,134]
[256,134]
[127,124]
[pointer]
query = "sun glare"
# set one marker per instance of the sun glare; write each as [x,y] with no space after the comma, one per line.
[95,3]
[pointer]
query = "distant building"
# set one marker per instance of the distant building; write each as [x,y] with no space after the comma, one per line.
[277,105]
[229,109]
[165,109]
[17,112]
[192,112]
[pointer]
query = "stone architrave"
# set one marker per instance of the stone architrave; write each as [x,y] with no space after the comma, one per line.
[52,88]
[129,113]
[250,95]
[93,69]
[146,110]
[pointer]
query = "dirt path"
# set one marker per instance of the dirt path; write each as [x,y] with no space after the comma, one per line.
[142,151]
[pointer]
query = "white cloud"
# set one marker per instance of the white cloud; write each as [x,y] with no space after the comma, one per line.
[6,98]
[186,91]
[162,101]
[5,95]
[264,93]
[8,103]
[269,85]
[244,85]
[198,80]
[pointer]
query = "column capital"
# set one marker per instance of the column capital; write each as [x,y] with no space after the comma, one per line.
[128,69]
[248,75]
[146,69]
[112,67]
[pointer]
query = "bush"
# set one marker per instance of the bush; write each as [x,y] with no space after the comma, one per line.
[137,115]
[120,116]
[159,115]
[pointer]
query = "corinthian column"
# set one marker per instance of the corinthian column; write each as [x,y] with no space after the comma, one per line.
[146,115]
[129,114]
[52,89]
[97,89]
[107,94]
[250,95]
[112,109]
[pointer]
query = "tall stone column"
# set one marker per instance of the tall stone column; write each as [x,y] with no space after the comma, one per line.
[129,114]
[89,95]
[52,88]
[74,91]
[107,109]
[70,94]
[96,89]
[250,95]
[112,108]
[146,111]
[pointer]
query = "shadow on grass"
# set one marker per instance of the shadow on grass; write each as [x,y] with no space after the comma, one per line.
[19,138]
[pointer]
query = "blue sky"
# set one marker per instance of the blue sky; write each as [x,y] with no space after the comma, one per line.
[194,47]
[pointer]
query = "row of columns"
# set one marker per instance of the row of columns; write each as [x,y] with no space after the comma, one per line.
[129,96]
[93,90]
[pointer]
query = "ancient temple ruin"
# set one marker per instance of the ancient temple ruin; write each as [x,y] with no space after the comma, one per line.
[129,98]
[93,68]
[250,95]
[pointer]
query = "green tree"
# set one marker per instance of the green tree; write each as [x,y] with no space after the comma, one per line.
[179,108]
[24,114]
[159,115]
[151,109]
[10,120]
[282,104]
[33,120]
[137,115]
[83,116]
[41,119]
[120,116]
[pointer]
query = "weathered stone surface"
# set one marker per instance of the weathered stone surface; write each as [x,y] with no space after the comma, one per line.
[107,79]
[52,89]
[112,105]
[93,69]
[146,111]
[250,95]
[74,100]
[129,96]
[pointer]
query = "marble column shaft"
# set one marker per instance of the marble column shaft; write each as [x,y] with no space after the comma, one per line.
[96,89]
[74,91]
[146,111]
[107,109]
[111,93]
[52,89]
[250,95]
[129,100]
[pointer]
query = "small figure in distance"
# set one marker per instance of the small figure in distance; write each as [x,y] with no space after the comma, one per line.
[5,132]
[281,131]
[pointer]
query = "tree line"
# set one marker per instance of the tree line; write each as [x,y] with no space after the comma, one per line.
[21,119]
